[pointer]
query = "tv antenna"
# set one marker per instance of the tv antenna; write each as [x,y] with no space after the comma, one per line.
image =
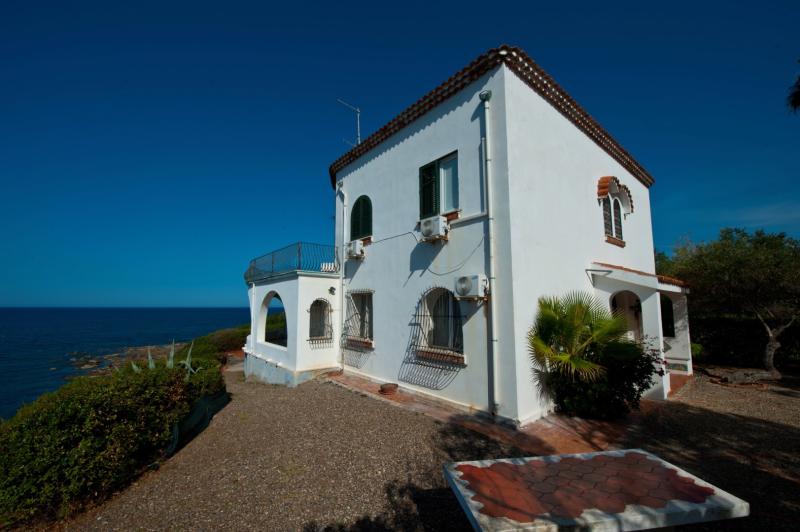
[357,111]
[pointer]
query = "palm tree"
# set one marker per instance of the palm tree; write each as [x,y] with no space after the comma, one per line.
[794,95]
[568,332]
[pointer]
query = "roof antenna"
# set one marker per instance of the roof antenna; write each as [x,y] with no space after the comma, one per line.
[358,121]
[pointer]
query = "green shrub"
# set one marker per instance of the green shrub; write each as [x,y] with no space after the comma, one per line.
[92,437]
[583,360]
[215,345]
[629,370]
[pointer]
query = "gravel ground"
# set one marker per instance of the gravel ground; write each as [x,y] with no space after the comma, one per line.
[319,457]
[313,457]
[744,440]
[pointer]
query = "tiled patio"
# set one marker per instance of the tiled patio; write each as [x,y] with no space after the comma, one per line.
[551,435]
[617,490]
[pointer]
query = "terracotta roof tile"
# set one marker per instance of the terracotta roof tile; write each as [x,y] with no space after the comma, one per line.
[530,73]
[604,187]
[661,278]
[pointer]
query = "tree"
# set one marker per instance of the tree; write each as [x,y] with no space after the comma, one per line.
[745,274]
[567,330]
[794,95]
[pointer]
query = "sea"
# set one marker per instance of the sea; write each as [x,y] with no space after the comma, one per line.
[38,346]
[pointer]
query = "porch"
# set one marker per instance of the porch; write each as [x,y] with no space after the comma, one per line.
[293,308]
[656,312]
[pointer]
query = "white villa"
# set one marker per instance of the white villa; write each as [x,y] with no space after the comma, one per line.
[492,190]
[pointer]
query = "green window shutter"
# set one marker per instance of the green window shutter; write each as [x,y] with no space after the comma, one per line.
[366,217]
[355,221]
[361,218]
[428,190]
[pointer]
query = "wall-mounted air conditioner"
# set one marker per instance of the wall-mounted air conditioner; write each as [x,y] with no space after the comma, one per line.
[471,287]
[355,249]
[434,228]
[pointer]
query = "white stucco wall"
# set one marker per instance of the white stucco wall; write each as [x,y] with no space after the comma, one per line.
[400,269]
[556,222]
[297,292]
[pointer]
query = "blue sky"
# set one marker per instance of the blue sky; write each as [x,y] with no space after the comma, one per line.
[149,150]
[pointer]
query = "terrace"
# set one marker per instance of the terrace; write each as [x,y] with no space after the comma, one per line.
[298,257]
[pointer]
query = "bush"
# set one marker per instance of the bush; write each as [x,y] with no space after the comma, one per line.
[92,436]
[629,370]
[218,343]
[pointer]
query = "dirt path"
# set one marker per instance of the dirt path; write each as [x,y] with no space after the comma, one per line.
[312,457]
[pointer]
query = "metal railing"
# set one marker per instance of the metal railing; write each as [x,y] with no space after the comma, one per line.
[300,256]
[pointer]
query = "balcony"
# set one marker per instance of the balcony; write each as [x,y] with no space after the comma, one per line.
[297,257]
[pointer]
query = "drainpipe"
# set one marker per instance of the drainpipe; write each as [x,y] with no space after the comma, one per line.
[342,259]
[485,97]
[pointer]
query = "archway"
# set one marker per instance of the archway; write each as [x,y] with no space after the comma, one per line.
[272,321]
[628,305]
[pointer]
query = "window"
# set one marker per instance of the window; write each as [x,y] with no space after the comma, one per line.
[359,316]
[444,328]
[617,204]
[618,219]
[438,186]
[320,327]
[667,317]
[361,218]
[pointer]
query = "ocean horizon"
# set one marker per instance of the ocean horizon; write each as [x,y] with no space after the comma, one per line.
[39,345]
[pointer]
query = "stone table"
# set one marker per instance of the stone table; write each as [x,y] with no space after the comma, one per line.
[611,490]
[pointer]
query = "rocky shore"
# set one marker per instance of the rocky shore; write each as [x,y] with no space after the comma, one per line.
[88,364]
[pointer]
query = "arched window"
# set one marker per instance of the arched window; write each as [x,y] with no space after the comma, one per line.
[320,327]
[667,317]
[617,204]
[441,321]
[361,219]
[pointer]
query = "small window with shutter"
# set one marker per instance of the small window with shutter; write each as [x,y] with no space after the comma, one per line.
[438,186]
[361,219]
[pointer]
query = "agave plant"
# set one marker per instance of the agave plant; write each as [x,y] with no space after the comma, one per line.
[150,362]
[568,330]
[135,367]
[187,363]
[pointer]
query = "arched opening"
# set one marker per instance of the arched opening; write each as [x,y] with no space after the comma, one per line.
[273,321]
[361,219]
[628,305]
[667,317]
[320,327]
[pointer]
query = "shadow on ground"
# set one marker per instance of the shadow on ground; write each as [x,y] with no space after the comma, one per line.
[753,459]
[411,506]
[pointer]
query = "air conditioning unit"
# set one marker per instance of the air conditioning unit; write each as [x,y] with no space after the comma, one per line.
[471,287]
[434,228]
[355,249]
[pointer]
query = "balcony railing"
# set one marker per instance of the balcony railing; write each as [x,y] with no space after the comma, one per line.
[301,256]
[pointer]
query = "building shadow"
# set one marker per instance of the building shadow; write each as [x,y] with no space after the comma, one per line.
[751,458]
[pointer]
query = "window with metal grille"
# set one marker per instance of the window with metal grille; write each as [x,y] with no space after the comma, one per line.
[320,327]
[438,186]
[445,321]
[358,324]
[361,218]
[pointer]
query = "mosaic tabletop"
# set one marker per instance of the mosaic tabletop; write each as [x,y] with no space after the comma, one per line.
[612,490]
